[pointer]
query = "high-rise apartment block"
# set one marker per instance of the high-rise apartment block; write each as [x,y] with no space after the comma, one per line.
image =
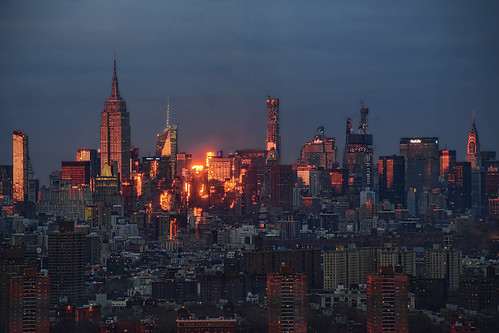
[30,302]
[20,169]
[66,265]
[115,132]
[286,301]
[347,266]
[387,302]
[444,263]
[273,142]
[281,186]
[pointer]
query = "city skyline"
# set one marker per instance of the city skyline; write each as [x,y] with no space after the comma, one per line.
[319,68]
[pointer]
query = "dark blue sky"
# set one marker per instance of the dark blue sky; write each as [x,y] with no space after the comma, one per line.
[424,65]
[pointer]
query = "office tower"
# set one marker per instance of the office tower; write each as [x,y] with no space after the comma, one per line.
[392,179]
[66,265]
[447,162]
[6,180]
[339,181]
[459,192]
[281,186]
[286,301]
[220,168]
[473,148]
[444,264]
[184,164]
[77,172]
[387,302]
[320,152]
[64,199]
[93,246]
[358,155]
[107,189]
[30,302]
[252,176]
[92,156]
[115,132]
[474,157]
[422,163]
[167,146]
[273,142]
[20,166]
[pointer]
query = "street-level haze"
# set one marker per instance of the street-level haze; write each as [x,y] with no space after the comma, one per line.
[424,66]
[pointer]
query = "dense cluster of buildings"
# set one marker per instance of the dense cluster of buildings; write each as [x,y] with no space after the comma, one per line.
[116,236]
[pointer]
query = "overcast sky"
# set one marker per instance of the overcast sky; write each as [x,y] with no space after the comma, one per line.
[423,66]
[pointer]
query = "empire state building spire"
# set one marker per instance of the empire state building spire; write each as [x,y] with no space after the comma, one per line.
[115,93]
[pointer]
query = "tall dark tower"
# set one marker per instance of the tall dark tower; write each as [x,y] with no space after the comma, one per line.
[273,142]
[115,132]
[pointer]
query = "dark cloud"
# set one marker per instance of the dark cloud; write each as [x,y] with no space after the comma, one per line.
[424,66]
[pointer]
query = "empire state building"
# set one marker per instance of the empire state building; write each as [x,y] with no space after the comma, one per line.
[115,132]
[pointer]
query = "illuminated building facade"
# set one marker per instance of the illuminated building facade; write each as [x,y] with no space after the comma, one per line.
[286,301]
[320,152]
[184,164]
[77,172]
[444,264]
[115,132]
[92,156]
[358,155]
[107,189]
[422,163]
[273,142]
[447,162]
[220,168]
[30,302]
[252,175]
[392,179]
[208,325]
[339,181]
[387,301]
[20,166]
[474,157]
[66,265]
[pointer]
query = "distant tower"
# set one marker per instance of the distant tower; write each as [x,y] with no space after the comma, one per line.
[273,143]
[167,145]
[473,156]
[20,161]
[115,132]
[473,147]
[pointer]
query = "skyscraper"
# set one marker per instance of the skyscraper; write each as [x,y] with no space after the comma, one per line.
[66,264]
[20,167]
[473,147]
[387,302]
[273,142]
[392,179]
[422,162]
[320,152]
[447,162]
[286,301]
[474,157]
[358,155]
[115,132]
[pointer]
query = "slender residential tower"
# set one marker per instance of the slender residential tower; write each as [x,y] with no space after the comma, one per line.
[115,132]
[20,163]
[273,142]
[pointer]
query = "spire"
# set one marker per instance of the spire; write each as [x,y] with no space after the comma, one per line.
[168,113]
[115,93]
